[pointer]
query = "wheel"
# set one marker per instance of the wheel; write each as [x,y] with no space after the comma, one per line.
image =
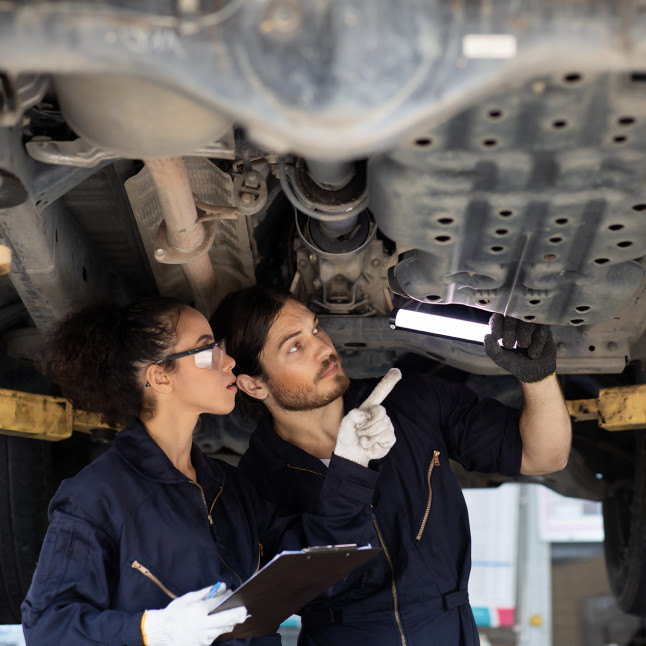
[624,518]
[25,490]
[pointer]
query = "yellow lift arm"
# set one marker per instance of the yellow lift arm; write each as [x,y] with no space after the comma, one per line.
[622,408]
[42,417]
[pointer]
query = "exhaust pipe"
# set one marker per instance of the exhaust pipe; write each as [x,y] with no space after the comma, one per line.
[183,238]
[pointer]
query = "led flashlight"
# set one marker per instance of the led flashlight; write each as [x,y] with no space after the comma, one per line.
[437,325]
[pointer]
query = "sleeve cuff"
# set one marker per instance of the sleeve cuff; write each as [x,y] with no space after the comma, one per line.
[354,481]
[153,629]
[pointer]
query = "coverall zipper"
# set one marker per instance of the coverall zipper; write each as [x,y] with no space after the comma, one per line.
[390,563]
[435,462]
[393,586]
[209,513]
[135,565]
[260,550]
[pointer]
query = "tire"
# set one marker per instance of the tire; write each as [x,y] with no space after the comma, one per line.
[25,491]
[624,518]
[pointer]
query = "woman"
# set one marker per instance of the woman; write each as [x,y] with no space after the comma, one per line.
[154,520]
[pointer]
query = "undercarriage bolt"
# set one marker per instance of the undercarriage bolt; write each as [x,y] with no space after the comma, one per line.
[251,179]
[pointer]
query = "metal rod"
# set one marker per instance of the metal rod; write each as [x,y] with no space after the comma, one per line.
[516,274]
[183,231]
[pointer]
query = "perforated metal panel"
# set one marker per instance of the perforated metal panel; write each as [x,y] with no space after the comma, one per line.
[542,184]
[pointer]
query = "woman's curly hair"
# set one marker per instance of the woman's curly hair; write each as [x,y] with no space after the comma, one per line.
[97,355]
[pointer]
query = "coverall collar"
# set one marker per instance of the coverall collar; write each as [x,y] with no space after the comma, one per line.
[277,453]
[145,456]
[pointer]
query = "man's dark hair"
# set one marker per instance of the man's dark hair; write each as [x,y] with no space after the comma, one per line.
[243,319]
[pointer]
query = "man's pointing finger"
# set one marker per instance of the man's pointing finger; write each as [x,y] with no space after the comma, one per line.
[382,389]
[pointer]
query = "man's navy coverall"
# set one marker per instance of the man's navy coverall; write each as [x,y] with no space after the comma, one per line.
[415,593]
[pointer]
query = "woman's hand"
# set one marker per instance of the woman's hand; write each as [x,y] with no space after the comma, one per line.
[186,620]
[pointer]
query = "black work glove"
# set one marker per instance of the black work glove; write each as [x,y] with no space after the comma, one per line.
[534,358]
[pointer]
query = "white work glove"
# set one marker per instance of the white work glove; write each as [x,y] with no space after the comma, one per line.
[186,620]
[366,433]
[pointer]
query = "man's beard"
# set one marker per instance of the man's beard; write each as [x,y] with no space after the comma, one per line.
[304,398]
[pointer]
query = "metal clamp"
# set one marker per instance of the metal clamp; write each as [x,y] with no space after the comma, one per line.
[169,255]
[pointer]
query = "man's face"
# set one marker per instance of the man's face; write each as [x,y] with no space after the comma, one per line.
[301,368]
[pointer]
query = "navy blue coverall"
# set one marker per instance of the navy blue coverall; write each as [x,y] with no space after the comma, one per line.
[131,532]
[415,593]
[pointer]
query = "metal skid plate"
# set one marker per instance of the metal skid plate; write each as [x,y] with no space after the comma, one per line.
[547,175]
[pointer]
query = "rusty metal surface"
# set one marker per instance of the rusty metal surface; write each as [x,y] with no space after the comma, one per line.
[37,416]
[43,417]
[622,408]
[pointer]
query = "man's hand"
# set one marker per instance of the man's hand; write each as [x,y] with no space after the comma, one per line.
[534,358]
[366,433]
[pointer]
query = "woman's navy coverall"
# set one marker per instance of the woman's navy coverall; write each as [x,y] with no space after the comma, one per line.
[415,593]
[130,532]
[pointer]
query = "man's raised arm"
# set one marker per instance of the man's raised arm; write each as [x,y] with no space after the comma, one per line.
[528,352]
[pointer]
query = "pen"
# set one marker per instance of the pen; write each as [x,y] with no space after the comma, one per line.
[214,589]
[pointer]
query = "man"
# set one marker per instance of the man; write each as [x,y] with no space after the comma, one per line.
[415,592]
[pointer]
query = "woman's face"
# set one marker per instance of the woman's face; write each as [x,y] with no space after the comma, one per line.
[205,389]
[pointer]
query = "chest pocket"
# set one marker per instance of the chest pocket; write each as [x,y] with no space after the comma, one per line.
[434,464]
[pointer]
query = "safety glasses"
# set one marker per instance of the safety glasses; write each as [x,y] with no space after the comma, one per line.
[207,356]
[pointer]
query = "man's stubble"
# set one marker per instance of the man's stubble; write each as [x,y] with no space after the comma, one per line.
[305,398]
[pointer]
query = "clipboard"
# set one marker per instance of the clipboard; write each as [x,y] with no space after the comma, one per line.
[288,582]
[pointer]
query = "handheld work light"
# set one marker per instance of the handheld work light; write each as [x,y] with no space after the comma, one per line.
[437,325]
